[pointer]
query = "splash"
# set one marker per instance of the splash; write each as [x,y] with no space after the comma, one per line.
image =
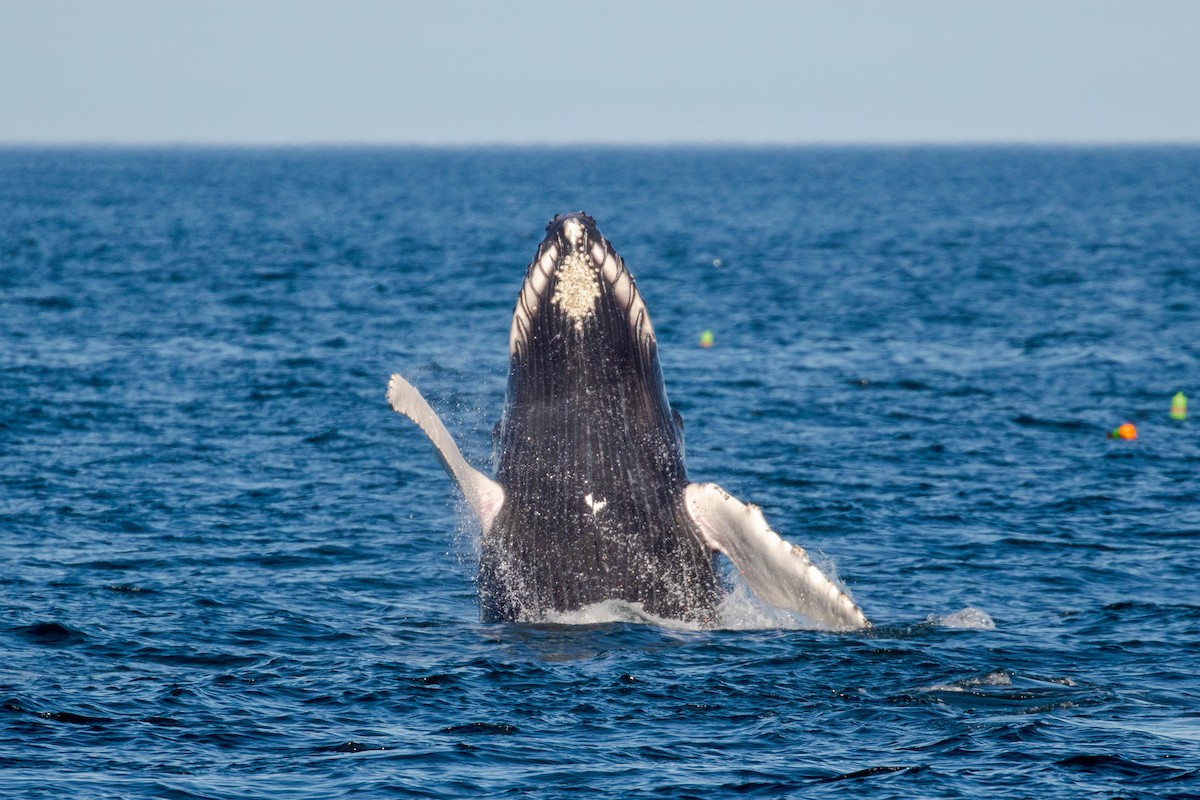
[969,617]
[742,611]
[739,611]
[998,678]
[608,611]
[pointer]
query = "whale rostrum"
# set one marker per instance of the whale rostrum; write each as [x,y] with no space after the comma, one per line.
[590,500]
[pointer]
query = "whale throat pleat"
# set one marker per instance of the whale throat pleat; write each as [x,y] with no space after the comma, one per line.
[594,477]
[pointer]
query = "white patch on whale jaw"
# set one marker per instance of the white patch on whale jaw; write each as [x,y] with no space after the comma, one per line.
[576,288]
[595,504]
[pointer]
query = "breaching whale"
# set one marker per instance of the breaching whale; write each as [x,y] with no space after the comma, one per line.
[590,500]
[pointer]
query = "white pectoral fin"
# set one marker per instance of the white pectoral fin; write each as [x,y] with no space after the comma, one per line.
[484,495]
[779,573]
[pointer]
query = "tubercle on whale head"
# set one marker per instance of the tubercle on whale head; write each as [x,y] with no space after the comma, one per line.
[580,217]
[573,268]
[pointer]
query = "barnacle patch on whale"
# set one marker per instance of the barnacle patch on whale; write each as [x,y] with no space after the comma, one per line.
[576,288]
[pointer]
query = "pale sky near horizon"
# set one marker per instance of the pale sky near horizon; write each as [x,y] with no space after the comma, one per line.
[660,71]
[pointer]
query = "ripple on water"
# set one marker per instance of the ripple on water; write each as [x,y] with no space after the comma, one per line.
[232,572]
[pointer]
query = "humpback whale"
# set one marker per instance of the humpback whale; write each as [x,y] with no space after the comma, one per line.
[590,499]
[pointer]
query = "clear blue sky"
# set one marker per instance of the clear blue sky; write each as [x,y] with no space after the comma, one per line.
[368,71]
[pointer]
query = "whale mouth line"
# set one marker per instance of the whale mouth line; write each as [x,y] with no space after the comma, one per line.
[574,268]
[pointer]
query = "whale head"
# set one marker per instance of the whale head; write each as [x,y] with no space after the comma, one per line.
[582,351]
[576,287]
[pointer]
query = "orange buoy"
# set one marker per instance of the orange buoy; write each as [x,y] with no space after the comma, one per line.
[1125,431]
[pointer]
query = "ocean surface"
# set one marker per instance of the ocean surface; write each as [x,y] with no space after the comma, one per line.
[230,571]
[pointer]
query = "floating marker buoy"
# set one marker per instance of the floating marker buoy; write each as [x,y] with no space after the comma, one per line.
[706,339]
[1125,431]
[1179,406]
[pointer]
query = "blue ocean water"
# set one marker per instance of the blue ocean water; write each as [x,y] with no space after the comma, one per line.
[232,572]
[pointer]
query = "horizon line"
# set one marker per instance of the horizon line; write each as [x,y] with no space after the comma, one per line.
[502,144]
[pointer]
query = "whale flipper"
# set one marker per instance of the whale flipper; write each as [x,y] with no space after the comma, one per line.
[777,572]
[483,495]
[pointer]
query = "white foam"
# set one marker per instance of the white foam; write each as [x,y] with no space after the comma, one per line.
[607,611]
[739,611]
[1000,678]
[969,617]
[742,611]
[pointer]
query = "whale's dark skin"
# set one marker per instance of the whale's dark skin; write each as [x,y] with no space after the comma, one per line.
[587,415]
[591,501]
